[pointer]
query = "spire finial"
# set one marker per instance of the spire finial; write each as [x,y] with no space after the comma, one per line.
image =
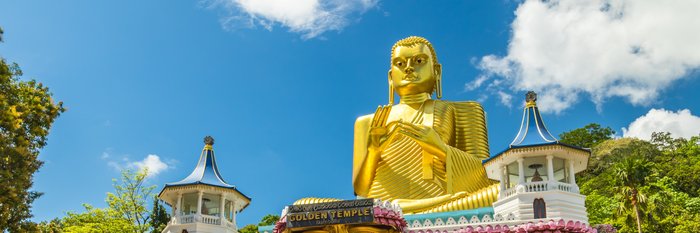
[208,142]
[530,99]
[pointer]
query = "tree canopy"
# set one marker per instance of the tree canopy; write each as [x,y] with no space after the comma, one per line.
[130,197]
[96,220]
[159,216]
[634,184]
[27,112]
[126,210]
[588,136]
[267,220]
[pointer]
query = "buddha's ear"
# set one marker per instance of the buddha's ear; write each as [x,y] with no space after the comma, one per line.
[438,69]
[391,89]
[438,80]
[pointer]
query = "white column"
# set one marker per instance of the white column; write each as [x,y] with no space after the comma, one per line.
[233,207]
[504,179]
[521,171]
[199,203]
[230,213]
[178,206]
[572,174]
[221,209]
[550,168]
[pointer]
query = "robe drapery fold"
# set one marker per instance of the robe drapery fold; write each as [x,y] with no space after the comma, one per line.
[405,171]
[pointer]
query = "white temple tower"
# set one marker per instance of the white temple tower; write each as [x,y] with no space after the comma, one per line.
[203,202]
[537,173]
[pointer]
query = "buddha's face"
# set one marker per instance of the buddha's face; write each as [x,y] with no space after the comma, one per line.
[413,70]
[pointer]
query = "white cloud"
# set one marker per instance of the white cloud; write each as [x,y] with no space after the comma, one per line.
[680,124]
[506,99]
[599,49]
[476,83]
[152,163]
[310,18]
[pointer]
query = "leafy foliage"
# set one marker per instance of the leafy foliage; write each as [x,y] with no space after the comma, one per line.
[159,216]
[250,228]
[129,198]
[126,211]
[267,220]
[632,184]
[96,220]
[27,112]
[605,228]
[588,136]
[631,175]
[53,226]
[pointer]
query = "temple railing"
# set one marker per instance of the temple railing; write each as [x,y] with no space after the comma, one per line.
[213,220]
[563,187]
[509,192]
[186,219]
[539,186]
[229,224]
[206,219]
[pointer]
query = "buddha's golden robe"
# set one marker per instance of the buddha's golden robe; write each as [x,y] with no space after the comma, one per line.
[405,171]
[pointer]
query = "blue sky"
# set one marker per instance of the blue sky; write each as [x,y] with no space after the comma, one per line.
[280,83]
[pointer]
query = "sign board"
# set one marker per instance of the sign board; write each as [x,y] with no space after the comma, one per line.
[330,213]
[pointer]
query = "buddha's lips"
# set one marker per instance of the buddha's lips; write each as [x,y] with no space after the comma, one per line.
[410,77]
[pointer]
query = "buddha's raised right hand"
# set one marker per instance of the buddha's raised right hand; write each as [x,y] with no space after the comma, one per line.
[379,131]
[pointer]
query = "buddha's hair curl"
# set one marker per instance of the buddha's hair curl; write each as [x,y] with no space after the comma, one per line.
[413,41]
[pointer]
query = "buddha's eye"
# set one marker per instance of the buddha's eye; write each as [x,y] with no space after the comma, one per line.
[419,61]
[399,63]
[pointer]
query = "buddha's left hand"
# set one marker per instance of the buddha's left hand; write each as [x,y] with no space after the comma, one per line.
[425,136]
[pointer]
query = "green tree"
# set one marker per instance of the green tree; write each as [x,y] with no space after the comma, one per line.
[27,112]
[129,198]
[95,220]
[631,176]
[587,137]
[666,171]
[600,208]
[126,211]
[269,219]
[53,226]
[250,228]
[602,184]
[680,161]
[159,216]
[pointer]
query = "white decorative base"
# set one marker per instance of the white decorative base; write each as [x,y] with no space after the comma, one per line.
[559,205]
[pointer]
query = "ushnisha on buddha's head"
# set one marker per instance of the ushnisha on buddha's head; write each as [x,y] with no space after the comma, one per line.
[414,68]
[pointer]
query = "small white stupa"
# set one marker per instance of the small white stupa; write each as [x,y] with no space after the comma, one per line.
[538,173]
[203,202]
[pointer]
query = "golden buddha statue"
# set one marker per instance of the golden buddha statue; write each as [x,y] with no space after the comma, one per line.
[421,153]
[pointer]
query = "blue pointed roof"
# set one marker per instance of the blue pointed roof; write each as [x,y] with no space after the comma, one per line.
[206,172]
[533,131]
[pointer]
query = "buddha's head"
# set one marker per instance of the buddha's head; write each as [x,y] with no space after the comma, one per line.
[414,68]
